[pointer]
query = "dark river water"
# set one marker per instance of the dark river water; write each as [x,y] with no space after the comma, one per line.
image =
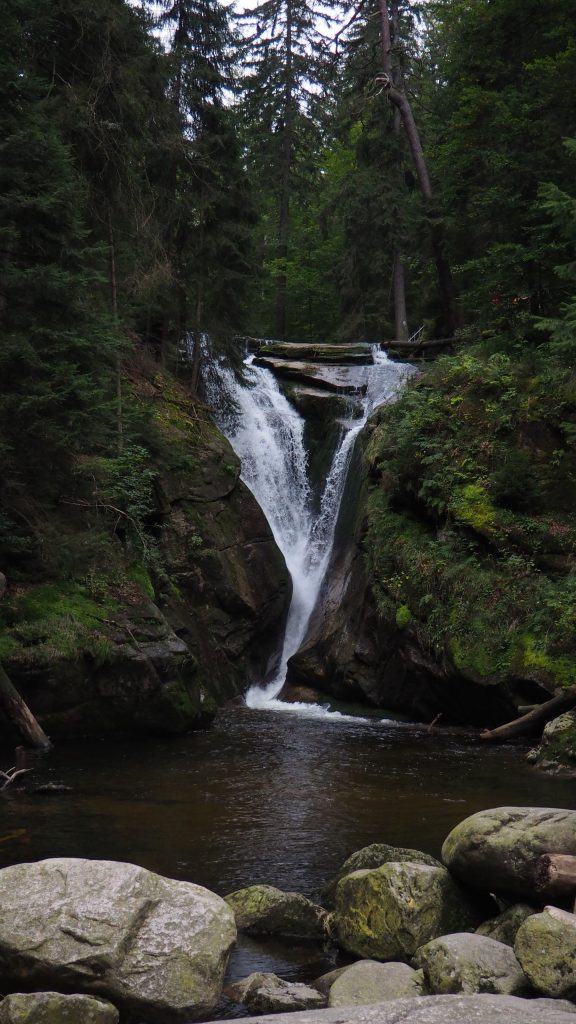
[265,797]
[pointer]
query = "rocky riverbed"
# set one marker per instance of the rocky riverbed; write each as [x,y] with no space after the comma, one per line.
[478,935]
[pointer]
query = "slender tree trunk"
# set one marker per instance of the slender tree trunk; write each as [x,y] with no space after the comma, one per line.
[18,712]
[402,332]
[284,212]
[398,99]
[399,287]
[114,304]
[197,355]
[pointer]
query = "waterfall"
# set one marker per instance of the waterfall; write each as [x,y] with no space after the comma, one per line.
[267,433]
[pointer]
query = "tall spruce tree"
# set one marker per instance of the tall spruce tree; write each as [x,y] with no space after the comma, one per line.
[209,234]
[284,86]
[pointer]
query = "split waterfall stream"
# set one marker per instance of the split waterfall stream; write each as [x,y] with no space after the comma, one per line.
[267,434]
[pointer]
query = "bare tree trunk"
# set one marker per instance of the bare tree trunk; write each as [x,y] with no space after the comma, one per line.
[18,712]
[534,719]
[399,287]
[401,102]
[284,212]
[114,303]
[197,354]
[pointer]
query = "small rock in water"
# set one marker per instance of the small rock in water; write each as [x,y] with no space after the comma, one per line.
[54,1008]
[267,993]
[375,856]
[265,910]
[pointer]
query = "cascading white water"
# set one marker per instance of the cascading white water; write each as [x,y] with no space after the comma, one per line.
[267,434]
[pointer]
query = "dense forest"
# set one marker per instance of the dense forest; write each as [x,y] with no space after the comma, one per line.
[180,175]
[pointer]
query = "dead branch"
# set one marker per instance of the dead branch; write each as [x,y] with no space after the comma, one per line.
[531,722]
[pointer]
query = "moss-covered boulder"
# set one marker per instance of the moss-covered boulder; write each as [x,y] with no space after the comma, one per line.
[557,749]
[471,963]
[546,948]
[387,913]
[265,910]
[369,981]
[497,850]
[505,926]
[55,1008]
[267,993]
[374,856]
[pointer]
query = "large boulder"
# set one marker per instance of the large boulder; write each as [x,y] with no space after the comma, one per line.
[505,927]
[482,1009]
[155,947]
[374,856]
[265,910]
[471,963]
[546,948]
[55,1008]
[267,993]
[387,913]
[497,850]
[369,981]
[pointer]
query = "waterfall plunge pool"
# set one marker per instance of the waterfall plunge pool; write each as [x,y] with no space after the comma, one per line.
[262,797]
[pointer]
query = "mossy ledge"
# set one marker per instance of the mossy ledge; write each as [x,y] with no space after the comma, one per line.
[146,621]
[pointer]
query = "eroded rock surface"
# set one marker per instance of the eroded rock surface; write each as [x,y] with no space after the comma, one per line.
[374,856]
[265,910]
[154,947]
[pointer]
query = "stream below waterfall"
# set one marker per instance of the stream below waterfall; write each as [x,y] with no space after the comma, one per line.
[263,797]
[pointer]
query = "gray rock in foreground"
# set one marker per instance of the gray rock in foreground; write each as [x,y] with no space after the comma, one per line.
[369,981]
[497,850]
[471,963]
[267,993]
[481,1009]
[54,1008]
[156,948]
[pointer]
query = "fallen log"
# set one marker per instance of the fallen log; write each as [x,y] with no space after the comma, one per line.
[534,719]
[18,712]
[556,874]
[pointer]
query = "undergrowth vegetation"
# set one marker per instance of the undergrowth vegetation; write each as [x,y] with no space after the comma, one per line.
[472,534]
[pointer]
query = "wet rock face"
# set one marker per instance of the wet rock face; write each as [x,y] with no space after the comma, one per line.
[156,948]
[497,850]
[388,913]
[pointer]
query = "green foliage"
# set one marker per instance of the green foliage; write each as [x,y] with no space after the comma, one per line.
[471,524]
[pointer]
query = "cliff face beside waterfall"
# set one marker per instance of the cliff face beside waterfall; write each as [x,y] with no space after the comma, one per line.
[455,593]
[152,644]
